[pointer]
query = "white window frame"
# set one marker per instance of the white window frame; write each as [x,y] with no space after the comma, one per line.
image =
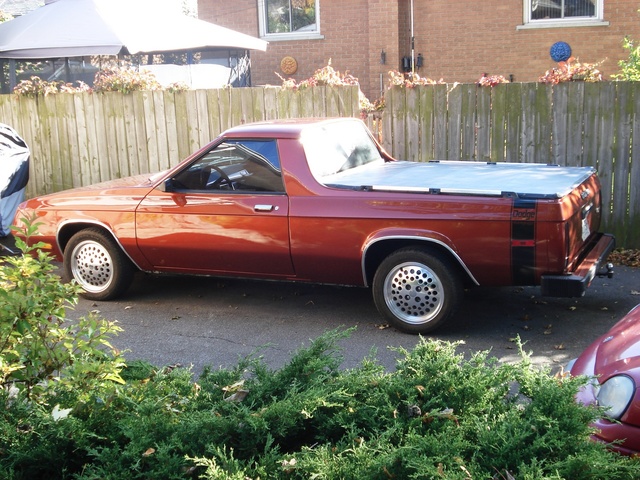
[596,20]
[305,35]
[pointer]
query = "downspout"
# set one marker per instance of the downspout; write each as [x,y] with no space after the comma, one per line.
[413,56]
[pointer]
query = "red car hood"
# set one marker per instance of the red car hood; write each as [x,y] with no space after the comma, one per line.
[142,180]
[619,349]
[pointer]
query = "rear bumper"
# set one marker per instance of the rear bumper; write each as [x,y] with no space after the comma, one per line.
[575,284]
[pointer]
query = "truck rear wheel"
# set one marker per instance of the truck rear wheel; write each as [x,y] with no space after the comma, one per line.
[98,264]
[417,291]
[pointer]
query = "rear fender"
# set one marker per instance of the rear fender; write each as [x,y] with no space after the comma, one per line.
[379,245]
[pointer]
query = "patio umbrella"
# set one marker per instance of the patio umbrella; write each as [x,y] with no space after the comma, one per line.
[76,28]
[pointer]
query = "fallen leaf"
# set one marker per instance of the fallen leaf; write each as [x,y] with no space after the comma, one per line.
[237,397]
[630,257]
[149,452]
[60,413]
[234,386]
[560,346]
[573,308]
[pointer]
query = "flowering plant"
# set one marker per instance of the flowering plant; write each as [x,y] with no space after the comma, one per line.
[491,80]
[409,80]
[572,70]
[125,80]
[36,86]
[329,76]
[323,76]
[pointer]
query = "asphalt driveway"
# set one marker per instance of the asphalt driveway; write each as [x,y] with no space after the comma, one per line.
[197,322]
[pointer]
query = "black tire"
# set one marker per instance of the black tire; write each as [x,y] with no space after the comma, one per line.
[416,290]
[94,260]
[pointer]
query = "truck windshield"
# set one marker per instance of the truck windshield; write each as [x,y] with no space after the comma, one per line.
[334,147]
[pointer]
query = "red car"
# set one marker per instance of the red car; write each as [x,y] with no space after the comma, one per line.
[613,362]
[321,201]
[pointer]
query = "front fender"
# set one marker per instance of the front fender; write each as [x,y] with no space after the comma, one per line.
[124,236]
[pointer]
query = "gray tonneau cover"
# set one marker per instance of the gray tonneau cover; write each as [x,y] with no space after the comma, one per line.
[524,180]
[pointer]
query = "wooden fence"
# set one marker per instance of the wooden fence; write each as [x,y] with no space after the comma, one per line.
[575,124]
[79,139]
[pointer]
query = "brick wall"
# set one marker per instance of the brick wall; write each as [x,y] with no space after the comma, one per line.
[459,39]
[355,33]
[464,39]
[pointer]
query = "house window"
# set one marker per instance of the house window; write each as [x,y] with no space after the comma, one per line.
[557,13]
[289,19]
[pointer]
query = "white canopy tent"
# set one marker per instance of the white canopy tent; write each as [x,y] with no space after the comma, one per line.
[79,28]
[76,28]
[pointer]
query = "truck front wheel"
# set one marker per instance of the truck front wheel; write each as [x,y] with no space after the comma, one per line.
[96,262]
[416,290]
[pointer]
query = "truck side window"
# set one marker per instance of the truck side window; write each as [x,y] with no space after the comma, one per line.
[235,165]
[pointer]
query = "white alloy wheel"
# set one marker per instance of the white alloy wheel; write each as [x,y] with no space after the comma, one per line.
[417,290]
[94,259]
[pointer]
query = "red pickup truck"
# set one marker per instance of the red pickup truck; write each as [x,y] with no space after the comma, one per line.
[319,200]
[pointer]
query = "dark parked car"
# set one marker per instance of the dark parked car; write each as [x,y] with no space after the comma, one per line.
[613,364]
[14,175]
[320,201]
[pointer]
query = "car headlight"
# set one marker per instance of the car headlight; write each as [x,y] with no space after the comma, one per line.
[615,395]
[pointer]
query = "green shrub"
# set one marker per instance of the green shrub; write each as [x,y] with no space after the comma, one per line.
[39,349]
[438,415]
[630,68]
[76,411]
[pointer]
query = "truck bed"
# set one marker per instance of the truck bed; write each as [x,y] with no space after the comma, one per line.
[523,180]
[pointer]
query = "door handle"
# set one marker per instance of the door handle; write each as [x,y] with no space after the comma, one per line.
[265,208]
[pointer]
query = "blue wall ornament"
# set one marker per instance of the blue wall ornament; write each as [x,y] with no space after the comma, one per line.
[560,52]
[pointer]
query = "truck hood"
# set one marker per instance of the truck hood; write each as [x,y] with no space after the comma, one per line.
[141,180]
[525,180]
[619,349]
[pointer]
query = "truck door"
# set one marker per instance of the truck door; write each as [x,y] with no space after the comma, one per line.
[226,212]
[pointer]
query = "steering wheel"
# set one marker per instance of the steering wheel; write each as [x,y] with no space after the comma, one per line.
[223,182]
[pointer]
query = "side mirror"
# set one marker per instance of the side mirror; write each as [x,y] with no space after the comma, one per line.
[167,185]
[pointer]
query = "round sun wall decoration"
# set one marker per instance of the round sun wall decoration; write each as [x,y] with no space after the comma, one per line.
[288,65]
